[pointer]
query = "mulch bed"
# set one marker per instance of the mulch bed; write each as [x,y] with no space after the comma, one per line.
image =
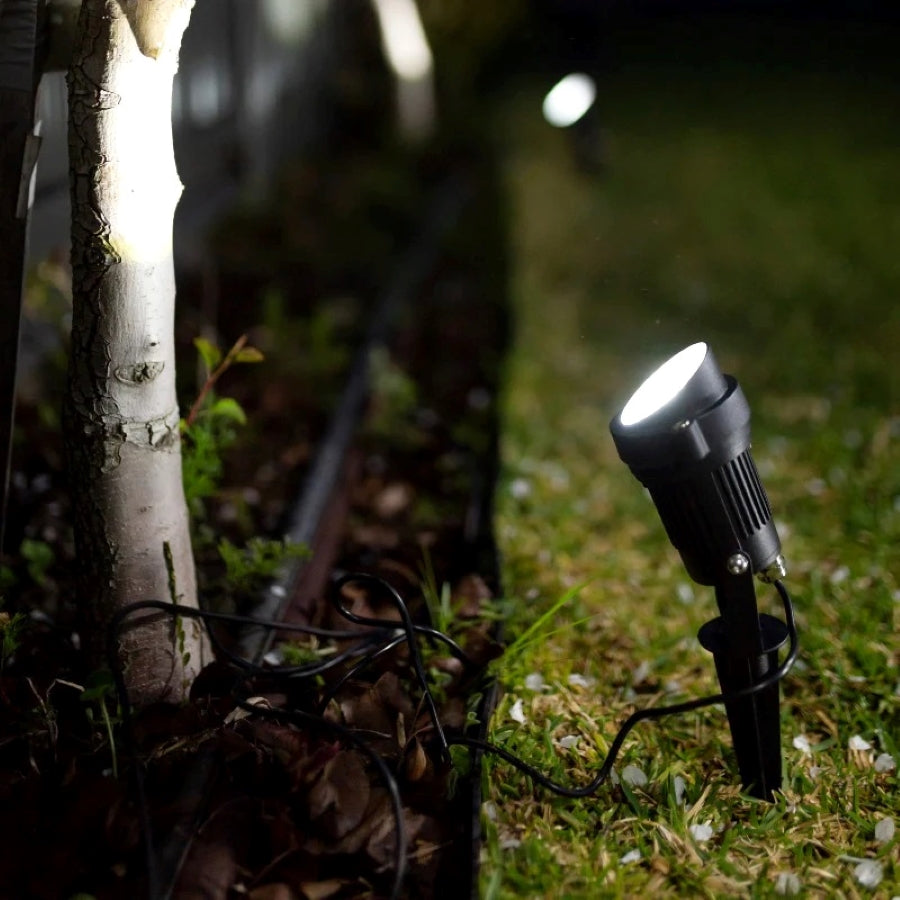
[260,805]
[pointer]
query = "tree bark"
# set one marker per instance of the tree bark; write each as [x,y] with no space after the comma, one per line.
[121,413]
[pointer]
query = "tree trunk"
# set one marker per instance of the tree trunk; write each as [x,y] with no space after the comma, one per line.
[121,413]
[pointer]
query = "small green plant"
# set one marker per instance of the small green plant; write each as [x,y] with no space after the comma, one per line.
[542,627]
[39,557]
[394,399]
[209,427]
[436,599]
[11,630]
[310,348]
[296,654]
[100,688]
[248,567]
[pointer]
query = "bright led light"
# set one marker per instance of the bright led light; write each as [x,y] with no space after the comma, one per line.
[569,100]
[664,384]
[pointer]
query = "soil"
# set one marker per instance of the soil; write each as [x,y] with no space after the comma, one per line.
[287,804]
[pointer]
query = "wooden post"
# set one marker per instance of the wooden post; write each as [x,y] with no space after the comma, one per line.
[18,155]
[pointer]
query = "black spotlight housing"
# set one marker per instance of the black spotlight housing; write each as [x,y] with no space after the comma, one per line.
[692,454]
[685,434]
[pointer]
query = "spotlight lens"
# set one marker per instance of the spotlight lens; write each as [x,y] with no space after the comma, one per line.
[569,100]
[663,385]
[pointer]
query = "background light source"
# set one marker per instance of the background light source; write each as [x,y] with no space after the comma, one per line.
[685,434]
[569,100]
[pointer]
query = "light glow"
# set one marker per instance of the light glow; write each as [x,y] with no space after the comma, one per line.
[144,187]
[290,22]
[569,100]
[664,384]
[403,39]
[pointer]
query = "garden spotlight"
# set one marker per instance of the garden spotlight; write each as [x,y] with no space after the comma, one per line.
[685,435]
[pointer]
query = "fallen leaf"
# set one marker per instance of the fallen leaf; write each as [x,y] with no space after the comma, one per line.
[416,763]
[321,890]
[239,712]
[278,891]
[339,798]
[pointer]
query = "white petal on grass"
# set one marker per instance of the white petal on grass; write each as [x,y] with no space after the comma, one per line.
[567,742]
[685,593]
[884,830]
[630,857]
[517,712]
[869,873]
[787,884]
[534,681]
[701,833]
[582,681]
[634,776]
[519,488]
[816,486]
[840,575]
[639,675]
[815,772]
[489,809]
[510,844]
[801,743]
[679,785]
[885,763]
[857,742]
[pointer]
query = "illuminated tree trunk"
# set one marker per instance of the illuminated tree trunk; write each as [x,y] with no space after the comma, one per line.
[121,414]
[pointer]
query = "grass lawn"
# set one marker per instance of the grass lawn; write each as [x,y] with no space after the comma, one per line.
[757,207]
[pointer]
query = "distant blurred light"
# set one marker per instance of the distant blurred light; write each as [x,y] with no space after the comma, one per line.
[408,54]
[403,38]
[569,100]
[291,21]
[204,85]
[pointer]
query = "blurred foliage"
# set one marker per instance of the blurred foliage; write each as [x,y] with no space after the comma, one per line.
[466,33]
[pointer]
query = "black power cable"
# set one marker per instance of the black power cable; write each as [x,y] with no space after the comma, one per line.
[389,635]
